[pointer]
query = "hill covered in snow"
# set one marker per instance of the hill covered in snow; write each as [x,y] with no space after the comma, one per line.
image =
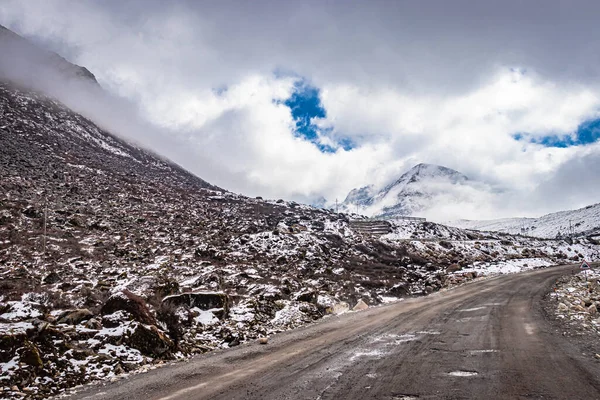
[584,221]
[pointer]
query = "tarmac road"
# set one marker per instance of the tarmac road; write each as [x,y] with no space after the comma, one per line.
[484,340]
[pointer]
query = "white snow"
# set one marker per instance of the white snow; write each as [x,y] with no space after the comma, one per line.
[548,226]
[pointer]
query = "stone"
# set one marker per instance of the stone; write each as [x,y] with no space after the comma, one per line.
[127,301]
[51,278]
[263,340]
[453,268]
[360,305]
[578,308]
[31,355]
[150,341]
[93,323]
[562,307]
[338,308]
[74,317]
[592,309]
[201,300]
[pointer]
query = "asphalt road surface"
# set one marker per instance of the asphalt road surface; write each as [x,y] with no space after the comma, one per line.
[484,340]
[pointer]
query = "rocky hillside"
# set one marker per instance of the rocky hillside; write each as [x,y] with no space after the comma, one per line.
[582,222]
[417,190]
[96,234]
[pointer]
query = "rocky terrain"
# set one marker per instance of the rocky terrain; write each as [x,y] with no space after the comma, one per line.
[112,258]
[574,307]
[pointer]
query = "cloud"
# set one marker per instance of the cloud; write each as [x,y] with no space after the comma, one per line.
[212,86]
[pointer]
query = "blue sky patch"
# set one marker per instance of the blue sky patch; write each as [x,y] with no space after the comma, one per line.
[305,105]
[586,133]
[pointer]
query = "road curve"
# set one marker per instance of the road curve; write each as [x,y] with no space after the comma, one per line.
[484,340]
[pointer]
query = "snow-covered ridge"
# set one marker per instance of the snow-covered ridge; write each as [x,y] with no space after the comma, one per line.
[584,221]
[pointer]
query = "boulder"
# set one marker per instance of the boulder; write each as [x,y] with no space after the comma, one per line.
[74,317]
[338,308]
[133,304]
[150,341]
[93,324]
[562,307]
[453,268]
[592,309]
[361,305]
[201,300]
[309,296]
[51,278]
[30,355]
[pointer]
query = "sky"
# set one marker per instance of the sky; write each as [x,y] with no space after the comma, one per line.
[303,100]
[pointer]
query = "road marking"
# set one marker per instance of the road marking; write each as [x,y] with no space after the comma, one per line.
[473,309]
[183,391]
[483,351]
[463,373]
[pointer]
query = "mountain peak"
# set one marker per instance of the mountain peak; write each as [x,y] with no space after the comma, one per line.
[26,63]
[413,192]
[433,170]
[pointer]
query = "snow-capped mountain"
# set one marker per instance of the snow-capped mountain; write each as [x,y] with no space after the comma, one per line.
[420,189]
[584,221]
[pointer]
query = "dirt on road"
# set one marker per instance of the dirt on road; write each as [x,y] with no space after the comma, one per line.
[485,340]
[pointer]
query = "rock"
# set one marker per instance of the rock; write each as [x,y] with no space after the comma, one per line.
[51,278]
[309,296]
[578,308]
[263,340]
[31,355]
[562,307]
[592,309]
[75,316]
[127,301]
[93,323]
[151,341]
[338,308]
[201,300]
[361,305]
[453,268]
[399,290]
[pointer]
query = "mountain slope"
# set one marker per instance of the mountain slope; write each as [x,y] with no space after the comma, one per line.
[584,221]
[22,61]
[415,191]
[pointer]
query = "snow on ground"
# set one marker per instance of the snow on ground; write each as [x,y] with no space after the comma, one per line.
[582,221]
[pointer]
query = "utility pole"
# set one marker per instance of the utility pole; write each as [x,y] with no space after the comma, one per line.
[570,229]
